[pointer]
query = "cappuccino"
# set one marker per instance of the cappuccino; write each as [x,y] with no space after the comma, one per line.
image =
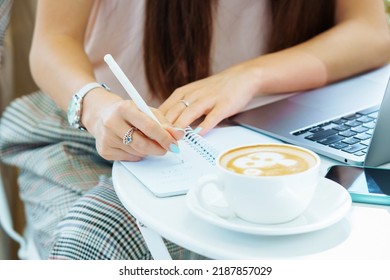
[262,183]
[267,160]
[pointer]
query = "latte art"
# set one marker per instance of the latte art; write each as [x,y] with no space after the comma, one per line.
[267,160]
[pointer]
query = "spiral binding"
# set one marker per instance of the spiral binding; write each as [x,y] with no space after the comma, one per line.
[200,145]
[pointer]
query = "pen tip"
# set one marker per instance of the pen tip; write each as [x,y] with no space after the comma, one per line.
[107,57]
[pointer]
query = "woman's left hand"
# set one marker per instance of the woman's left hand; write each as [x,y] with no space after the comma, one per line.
[216,97]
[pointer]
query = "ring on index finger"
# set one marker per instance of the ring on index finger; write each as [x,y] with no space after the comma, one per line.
[128,138]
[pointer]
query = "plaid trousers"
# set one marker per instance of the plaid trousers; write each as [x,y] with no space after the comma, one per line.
[66,187]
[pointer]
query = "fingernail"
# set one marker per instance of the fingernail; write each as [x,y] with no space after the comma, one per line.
[179,129]
[174,148]
[197,130]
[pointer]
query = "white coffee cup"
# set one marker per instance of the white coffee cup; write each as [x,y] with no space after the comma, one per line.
[262,183]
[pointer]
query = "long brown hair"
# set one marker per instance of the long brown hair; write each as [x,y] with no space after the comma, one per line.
[178,36]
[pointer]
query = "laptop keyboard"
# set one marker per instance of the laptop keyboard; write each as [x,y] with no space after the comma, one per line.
[351,134]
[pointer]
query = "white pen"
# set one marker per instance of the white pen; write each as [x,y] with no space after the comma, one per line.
[130,89]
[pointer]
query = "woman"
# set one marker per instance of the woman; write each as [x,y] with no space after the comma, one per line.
[189,59]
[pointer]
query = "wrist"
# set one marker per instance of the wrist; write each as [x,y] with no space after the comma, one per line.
[94,104]
[252,76]
[75,108]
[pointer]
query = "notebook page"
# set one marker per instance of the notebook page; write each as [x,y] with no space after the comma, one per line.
[169,176]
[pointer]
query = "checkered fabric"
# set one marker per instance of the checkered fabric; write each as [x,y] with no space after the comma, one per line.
[66,187]
[5,11]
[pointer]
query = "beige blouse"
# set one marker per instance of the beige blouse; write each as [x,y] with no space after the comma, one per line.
[116,27]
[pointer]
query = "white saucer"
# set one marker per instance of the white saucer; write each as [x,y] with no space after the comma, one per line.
[330,204]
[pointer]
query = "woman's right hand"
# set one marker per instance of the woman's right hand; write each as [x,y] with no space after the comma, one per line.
[108,117]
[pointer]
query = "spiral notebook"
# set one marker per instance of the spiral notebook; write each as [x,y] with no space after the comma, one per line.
[171,175]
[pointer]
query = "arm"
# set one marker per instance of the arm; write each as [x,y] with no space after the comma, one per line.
[61,67]
[57,49]
[359,41]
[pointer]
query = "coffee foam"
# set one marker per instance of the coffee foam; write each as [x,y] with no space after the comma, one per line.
[267,160]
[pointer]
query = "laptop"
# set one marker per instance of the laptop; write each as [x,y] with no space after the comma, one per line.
[347,121]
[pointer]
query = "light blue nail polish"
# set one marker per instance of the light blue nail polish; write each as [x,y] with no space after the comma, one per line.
[197,130]
[174,148]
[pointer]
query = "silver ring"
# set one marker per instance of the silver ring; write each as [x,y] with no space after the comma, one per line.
[128,138]
[185,102]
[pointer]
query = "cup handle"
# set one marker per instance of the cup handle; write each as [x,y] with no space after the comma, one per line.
[206,182]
